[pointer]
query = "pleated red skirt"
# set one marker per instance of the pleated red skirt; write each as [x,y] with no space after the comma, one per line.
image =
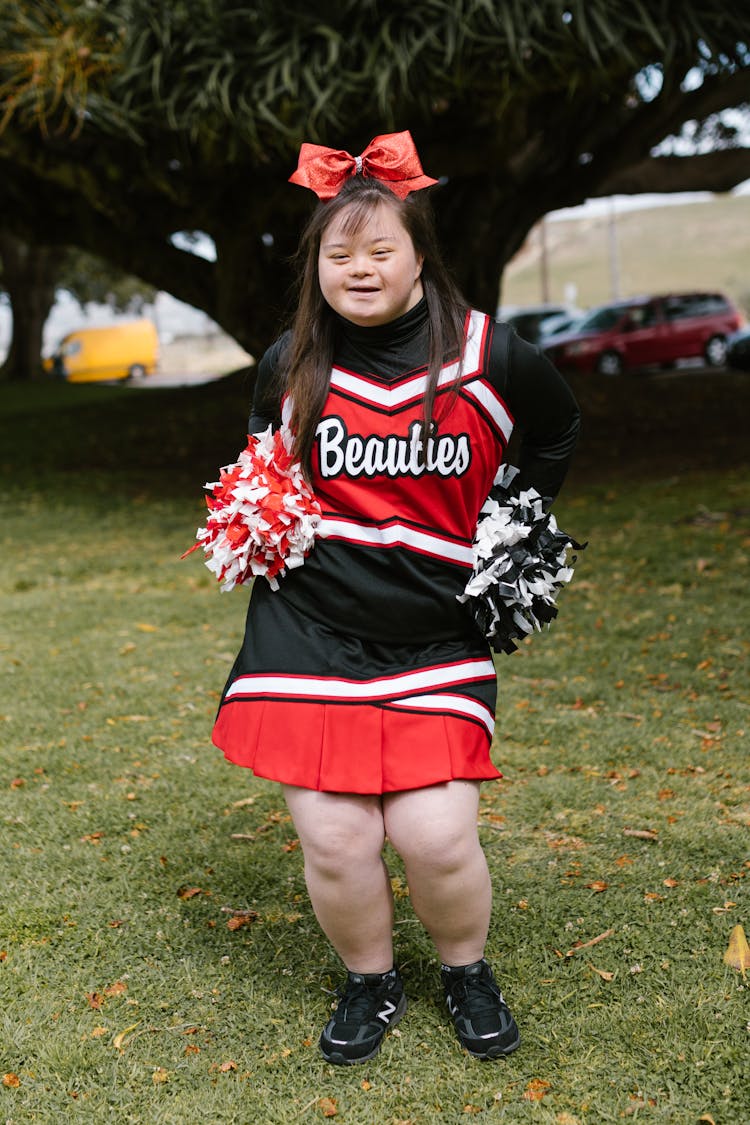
[308,706]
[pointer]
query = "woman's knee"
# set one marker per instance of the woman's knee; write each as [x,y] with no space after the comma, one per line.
[443,850]
[337,832]
[435,828]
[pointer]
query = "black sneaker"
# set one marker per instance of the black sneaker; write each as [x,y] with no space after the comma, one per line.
[481,1017]
[370,1003]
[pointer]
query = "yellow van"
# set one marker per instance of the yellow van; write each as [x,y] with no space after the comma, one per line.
[116,351]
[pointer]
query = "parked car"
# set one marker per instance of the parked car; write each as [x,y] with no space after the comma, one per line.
[556,324]
[647,331]
[738,350]
[532,322]
[115,351]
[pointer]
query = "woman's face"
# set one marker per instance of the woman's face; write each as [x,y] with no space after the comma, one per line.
[372,276]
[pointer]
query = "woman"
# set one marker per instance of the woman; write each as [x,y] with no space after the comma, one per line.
[363,685]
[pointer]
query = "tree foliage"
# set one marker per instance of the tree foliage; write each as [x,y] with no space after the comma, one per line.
[124,121]
[92,280]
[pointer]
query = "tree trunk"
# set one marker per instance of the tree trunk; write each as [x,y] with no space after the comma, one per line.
[28,277]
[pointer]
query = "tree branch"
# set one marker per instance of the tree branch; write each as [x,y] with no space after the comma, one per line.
[715,171]
[47,214]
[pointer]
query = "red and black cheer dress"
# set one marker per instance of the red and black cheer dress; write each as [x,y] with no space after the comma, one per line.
[363,673]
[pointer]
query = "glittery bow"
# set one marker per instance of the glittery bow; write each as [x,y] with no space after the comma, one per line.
[391,158]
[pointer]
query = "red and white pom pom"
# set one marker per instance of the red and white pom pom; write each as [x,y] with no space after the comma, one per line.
[264,518]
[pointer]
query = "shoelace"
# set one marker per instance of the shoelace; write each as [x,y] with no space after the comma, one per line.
[483,991]
[357,1002]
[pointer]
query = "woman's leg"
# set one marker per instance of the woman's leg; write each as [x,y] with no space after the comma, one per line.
[434,830]
[342,837]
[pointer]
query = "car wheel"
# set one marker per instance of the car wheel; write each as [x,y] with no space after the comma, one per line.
[609,363]
[715,351]
[137,371]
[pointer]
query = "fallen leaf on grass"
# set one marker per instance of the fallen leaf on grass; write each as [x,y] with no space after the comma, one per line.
[328,1106]
[536,1089]
[159,1076]
[603,973]
[242,918]
[707,1118]
[737,955]
[567,1119]
[95,1000]
[118,1041]
[597,886]
[641,833]
[189,892]
[98,1032]
[638,1103]
[227,1066]
[12,1081]
[146,628]
[116,989]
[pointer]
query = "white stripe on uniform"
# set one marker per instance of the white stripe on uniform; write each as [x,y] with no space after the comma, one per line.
[461,704]
[393,397]
[381,688]
[398,535]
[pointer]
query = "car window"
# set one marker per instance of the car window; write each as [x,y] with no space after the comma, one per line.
[642,316]
[599,320]
[677,307]
[555,322]
[695,304]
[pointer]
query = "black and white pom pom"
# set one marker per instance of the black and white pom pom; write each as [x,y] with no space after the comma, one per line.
[520,564]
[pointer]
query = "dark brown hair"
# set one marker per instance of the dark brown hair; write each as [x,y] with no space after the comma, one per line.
[308,358]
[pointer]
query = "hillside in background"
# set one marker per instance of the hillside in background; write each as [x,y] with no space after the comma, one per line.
[694,245]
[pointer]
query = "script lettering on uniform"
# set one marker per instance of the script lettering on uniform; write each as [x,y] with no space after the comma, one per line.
[357,455]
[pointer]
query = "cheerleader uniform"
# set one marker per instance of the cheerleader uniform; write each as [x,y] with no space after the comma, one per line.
[363,673]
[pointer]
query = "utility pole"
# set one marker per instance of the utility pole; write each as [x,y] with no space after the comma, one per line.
[614,254]
[544,260]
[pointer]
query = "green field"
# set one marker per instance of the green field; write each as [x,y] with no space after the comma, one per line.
[159,960]
[660,249]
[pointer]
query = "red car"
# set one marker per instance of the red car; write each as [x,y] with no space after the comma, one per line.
[647,331]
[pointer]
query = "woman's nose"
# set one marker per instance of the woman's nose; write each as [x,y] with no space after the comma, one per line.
[360,265]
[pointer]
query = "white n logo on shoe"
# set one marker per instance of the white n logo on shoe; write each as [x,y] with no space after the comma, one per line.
[385,1013]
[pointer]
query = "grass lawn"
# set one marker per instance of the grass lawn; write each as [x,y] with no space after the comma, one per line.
[159,960]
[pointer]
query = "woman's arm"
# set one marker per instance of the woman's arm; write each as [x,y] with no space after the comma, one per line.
[266,408]
[543,407]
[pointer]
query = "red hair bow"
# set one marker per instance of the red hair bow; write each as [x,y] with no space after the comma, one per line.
[391,158]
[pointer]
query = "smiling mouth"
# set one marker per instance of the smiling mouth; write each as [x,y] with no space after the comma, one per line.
[363,289]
